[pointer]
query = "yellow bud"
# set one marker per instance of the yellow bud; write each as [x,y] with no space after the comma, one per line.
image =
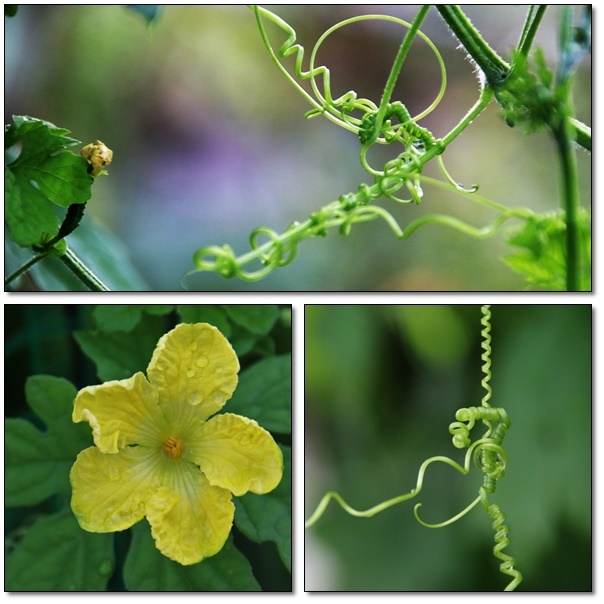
[98,155]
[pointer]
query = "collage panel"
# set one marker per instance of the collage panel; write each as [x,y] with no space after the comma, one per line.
[148,448]
[339,148]
[448,448]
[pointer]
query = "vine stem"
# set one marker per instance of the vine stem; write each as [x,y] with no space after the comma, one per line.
[493,66]
[562,132]
[82,272]
[570,194]
[398,64]
[23,269]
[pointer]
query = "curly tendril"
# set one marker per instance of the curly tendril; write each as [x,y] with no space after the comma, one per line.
[487,453]
[280,249]
[486,355]
[501,542]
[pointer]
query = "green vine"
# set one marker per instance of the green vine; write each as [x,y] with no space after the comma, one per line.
[487,453]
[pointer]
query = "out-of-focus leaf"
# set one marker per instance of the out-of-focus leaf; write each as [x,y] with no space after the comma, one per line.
[269,517]
[146,569]
[57,555]
[264,393]
[124,317]
[38,463]
[206,313]
[256,318]
[118,354]
[40,175]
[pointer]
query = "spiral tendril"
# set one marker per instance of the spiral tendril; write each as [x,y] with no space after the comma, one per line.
[502,541]
[486,355]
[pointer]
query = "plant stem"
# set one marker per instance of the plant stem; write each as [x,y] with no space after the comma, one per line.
[493,66]
[23,269]
[82,272]
[397,65]
[570,194]
[531,26]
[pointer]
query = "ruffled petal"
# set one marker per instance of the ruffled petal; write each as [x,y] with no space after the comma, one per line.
[235,453]
[121,413]
[110,491]
[193,365]
[190,519]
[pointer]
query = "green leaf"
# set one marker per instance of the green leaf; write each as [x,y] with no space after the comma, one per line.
[28,214]
[57,555]
[38,463]
[118,354]
[146,569]
[41,174]
[124,317]
[256,318]
[264,394]
[269,517]
[543,257]
[206,313]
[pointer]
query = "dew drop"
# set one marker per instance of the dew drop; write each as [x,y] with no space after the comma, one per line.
[218,369]
[245,439]
[190,373]
[219,399]
[197,398]
[201,361]
[113,474]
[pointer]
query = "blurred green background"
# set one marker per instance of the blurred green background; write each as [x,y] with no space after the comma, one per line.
[382,385]
[210,140]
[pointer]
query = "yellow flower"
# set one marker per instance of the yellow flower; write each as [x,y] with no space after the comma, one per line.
[158,455]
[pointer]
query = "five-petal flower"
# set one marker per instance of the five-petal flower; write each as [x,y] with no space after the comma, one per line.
[162,453]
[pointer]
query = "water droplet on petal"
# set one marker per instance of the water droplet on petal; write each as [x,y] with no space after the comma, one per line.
[201,361]
[190,373]
[219,399]
[113,473]
[197,398]
[218,369]
[245,439]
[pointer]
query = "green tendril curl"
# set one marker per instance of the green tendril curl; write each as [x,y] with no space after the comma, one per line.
[487,453]
[387,123]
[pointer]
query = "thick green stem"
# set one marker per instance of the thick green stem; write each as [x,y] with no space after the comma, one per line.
[82,272]
[493,66]
[570,193]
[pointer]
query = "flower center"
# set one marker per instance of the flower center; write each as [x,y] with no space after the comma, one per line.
[173,446]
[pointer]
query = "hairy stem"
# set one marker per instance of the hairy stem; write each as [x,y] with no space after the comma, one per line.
[493,66]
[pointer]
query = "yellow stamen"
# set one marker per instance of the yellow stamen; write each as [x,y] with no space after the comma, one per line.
[173,446]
